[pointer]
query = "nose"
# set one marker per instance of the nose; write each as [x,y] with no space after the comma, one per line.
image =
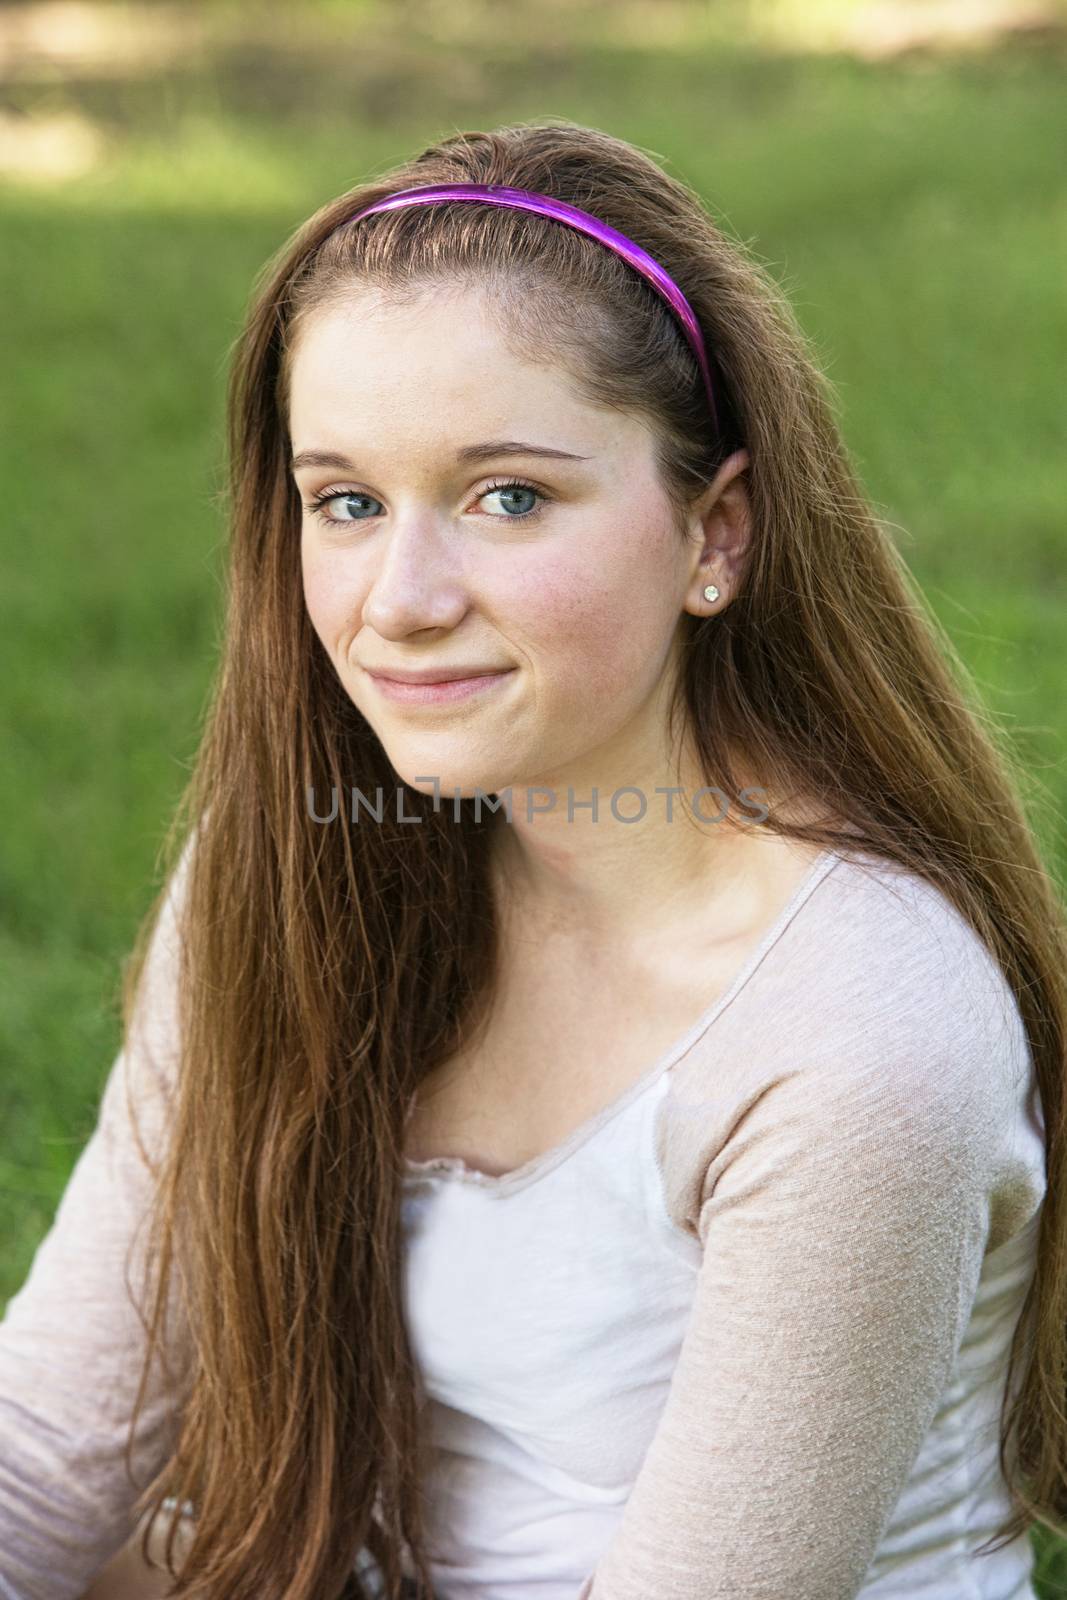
[418,582]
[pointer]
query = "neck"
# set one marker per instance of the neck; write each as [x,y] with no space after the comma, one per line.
[597,876]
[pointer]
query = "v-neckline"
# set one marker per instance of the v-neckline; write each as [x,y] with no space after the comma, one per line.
[515,1178]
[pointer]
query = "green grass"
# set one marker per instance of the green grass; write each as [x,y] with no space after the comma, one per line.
[916,212]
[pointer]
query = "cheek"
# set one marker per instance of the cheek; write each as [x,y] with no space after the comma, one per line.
[326,594]
[593,630]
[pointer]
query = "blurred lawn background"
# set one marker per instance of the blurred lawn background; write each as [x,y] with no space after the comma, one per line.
[899,168]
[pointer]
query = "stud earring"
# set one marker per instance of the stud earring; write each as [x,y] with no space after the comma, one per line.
[711,593]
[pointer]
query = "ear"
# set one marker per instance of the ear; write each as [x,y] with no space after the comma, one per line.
[719,527]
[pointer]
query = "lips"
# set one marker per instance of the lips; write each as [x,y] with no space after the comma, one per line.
[441,692]
[435,674]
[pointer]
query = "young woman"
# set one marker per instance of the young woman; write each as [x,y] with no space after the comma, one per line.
[589,1122]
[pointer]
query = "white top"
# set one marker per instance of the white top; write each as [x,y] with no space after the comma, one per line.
[742,1333]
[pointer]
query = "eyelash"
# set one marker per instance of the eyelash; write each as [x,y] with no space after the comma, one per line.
[317,503]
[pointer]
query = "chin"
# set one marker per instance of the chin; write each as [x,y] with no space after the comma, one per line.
[430,775]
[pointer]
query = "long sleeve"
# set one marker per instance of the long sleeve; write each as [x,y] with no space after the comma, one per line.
[71,1342]
[843,1216]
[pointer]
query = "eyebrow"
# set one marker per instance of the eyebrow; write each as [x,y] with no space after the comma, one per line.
[468,452]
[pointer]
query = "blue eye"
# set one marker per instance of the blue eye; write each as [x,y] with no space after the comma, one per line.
[510,486]
[513,486]
[318,502]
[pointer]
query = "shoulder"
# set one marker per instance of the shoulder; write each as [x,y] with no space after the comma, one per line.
[876,958]
[877,1027]
[142,1085]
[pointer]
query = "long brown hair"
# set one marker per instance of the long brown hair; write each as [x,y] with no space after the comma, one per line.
[326,969]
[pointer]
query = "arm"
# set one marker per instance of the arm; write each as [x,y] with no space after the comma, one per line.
[843,1223]
[127,1578]
[71,1343]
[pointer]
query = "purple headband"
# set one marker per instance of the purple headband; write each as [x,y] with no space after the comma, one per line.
[560,211]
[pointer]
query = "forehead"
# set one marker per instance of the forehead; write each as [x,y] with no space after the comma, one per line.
[439,358]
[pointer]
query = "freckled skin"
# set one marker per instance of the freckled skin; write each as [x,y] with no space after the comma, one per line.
[613,925]
[585,600]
